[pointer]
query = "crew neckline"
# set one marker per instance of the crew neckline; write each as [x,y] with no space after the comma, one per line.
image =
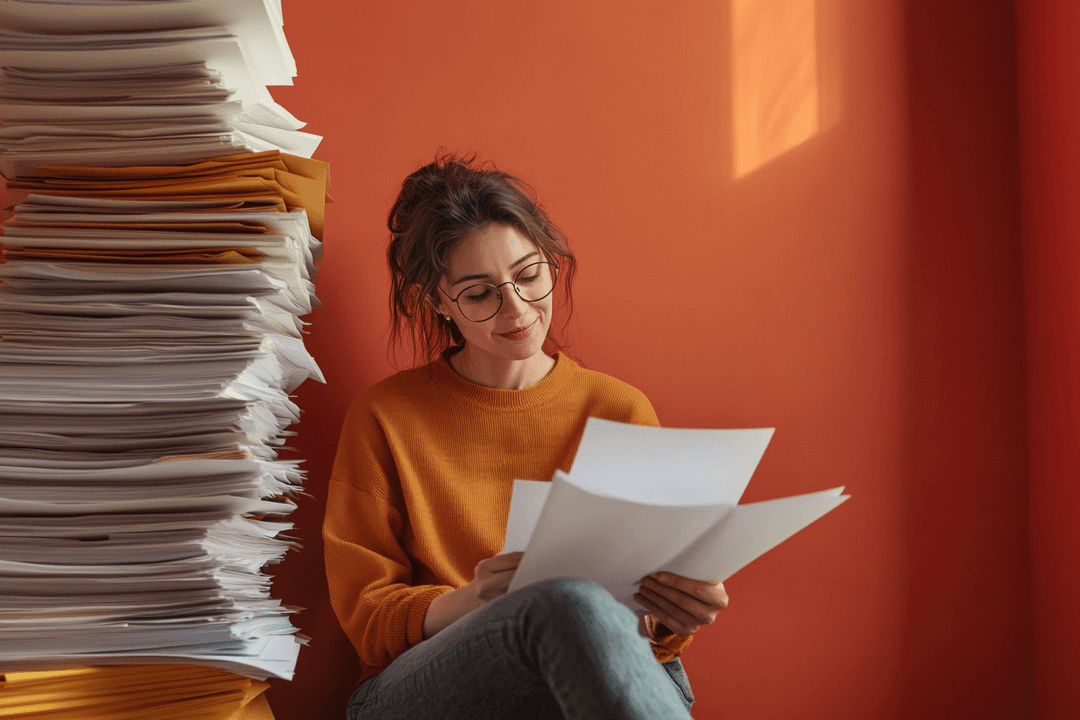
[445,376]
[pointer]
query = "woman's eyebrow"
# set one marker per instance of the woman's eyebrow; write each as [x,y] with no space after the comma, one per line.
[485,276]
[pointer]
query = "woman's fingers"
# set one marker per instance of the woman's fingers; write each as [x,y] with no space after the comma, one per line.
[690,593]
[682,604]
[708,593]
[688,604]
[493,575]
[666,612]
[499,563]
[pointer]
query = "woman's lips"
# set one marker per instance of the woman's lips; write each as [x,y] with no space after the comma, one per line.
[519,333]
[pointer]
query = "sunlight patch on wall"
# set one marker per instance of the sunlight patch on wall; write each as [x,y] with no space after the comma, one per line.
[774,79]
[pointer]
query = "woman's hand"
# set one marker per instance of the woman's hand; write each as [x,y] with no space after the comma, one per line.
[492,576]
[679,603]
[490,580]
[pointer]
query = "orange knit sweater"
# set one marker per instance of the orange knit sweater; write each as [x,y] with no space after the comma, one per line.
[421,487]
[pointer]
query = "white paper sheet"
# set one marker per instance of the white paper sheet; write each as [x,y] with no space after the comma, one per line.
[677,466]
[637,505]
[525,506]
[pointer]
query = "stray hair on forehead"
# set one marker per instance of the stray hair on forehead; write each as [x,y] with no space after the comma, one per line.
[440,204]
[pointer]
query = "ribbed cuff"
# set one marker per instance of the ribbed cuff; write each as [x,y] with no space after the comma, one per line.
[668,647]
[418,607]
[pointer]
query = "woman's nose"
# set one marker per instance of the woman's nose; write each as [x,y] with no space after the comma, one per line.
[512,304]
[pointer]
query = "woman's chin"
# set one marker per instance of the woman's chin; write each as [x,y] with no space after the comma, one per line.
[524,350]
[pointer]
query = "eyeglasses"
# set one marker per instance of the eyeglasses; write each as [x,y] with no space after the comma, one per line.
[483,301]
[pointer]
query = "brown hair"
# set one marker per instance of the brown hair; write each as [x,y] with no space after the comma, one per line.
[440,204]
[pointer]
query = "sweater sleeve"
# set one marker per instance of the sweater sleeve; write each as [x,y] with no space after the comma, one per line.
[666,645]
[368,572]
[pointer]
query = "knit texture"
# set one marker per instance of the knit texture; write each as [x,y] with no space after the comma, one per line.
[421,486]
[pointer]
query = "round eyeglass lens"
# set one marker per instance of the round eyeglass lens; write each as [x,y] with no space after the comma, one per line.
[535,282]
[482,301]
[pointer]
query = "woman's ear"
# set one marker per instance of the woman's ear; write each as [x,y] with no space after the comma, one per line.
[431,300]
[436,303]
[416,300]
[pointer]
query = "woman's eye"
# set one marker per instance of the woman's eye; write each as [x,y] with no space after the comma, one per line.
[530,278]
[479,296]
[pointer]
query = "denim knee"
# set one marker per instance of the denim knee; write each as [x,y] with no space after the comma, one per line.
[574,600]
[569,591]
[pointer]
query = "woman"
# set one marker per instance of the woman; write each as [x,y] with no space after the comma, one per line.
[421,485]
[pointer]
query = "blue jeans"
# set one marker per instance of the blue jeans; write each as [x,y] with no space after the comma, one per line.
[556,649]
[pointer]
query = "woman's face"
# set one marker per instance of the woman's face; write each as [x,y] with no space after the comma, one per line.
[496,255]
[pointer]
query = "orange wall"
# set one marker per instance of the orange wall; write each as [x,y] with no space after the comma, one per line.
[859,292]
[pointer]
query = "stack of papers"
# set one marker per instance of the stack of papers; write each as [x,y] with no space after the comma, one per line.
[151,337]
[142,82]
[641,500]
[156,268]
